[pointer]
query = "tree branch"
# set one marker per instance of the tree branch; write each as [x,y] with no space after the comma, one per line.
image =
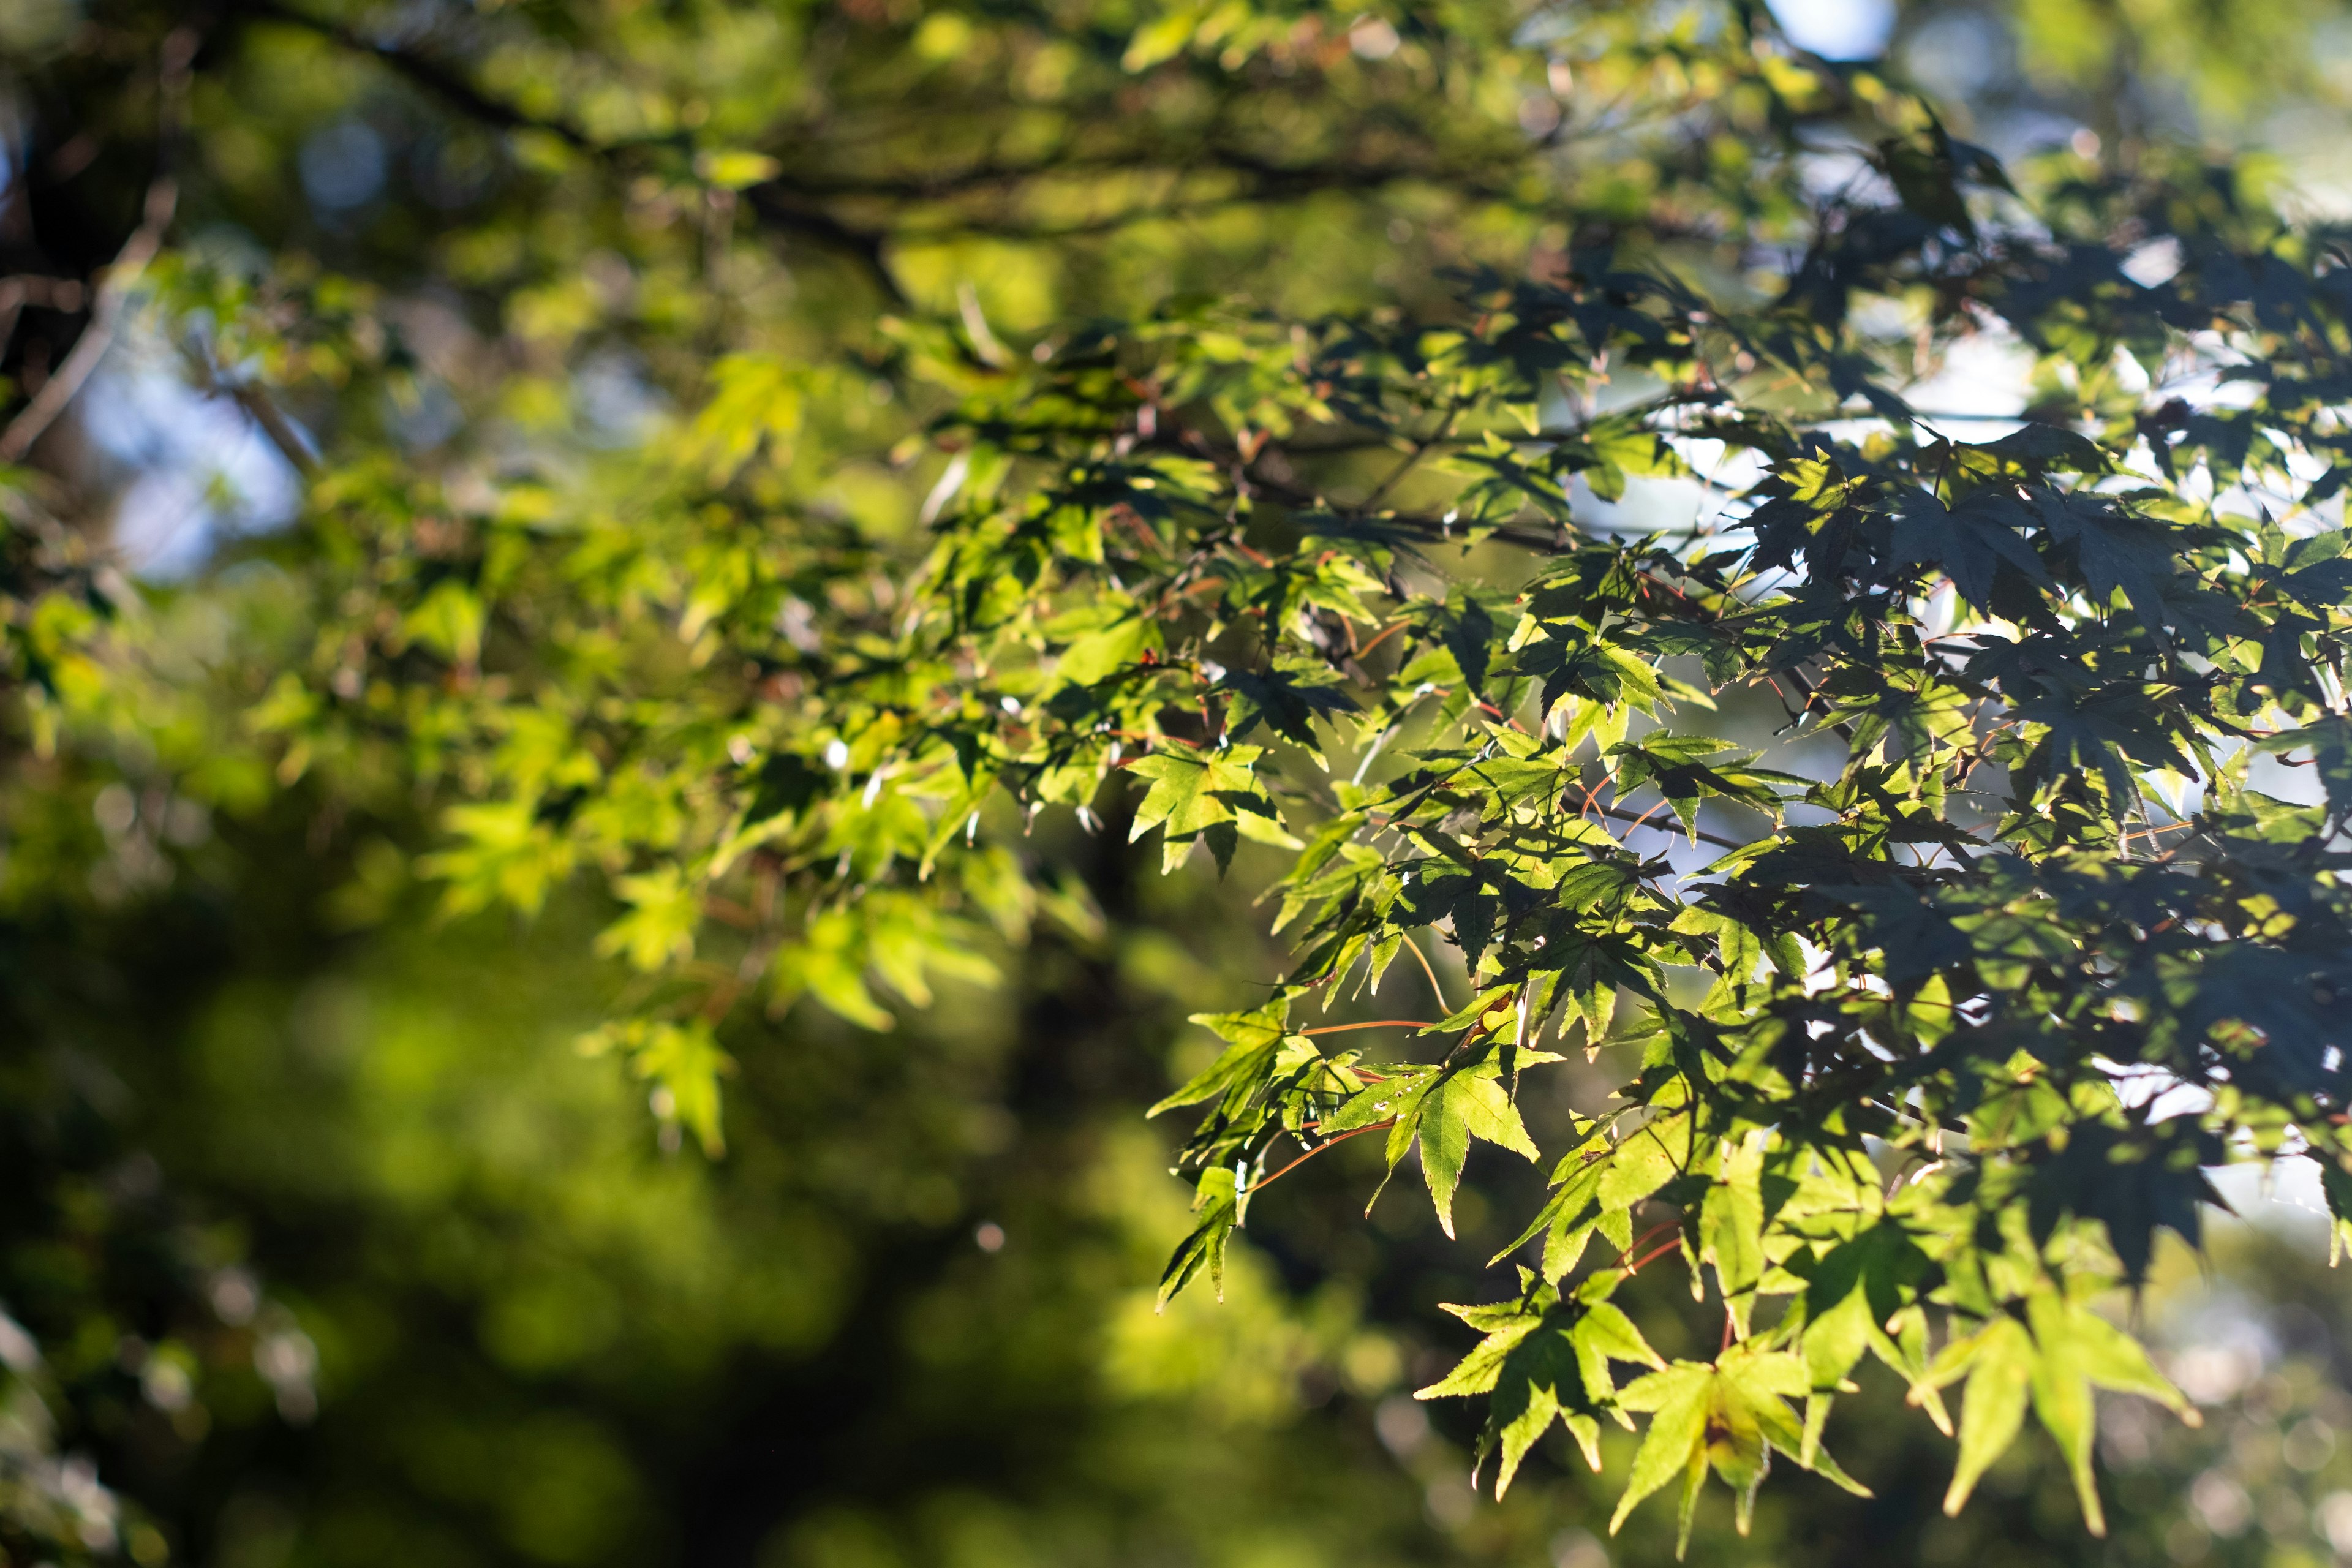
[35,418]
[794,203]
[772,202]
[435,78]
[54,293]
[1328,1142]
[1704,837]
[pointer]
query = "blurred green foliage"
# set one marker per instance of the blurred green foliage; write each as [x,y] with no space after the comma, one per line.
[331,1246]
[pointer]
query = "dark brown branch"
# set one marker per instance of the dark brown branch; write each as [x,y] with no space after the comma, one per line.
[442,82]
[1268,178]
[795,202]
[773,203]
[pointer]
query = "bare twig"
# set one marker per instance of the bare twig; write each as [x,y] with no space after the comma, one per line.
[51,293]
[264,411]
[1652,1255]
[1412,459]
[1644,1240]
[1414,948]
[37,417]
[443,81]
[1341,1138]
[778,204]
[1704,837]
[163,200]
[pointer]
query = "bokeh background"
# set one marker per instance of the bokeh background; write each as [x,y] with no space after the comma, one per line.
[325,1245]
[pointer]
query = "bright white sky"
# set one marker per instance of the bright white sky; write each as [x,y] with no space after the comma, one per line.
[1837,29]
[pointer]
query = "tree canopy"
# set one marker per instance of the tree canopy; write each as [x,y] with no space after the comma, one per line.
[1473,475]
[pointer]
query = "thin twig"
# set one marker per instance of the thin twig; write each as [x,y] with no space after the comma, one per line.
[1342,1138]
[281,431]
[37,417]
[1412,460]
[1717,839]
[1413,948]
[1362,652]
[443,81]
[162,199]
[1643,1239]
[49,293]
[1652,1255]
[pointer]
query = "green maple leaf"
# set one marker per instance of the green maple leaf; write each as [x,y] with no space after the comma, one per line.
[1544,1359]
[1596,1186]
[1287,699]
[2114,550]
[1678,767]
[1252,1040]
[1583,970]
[1440,1111]
[2052,1357]
[2134,1180]
[1454,1110]
[2038,448]
[2100,731]
[1218,1202]
[1914,717]
[1915,939]
[1731,1226]
[1209,794]
[1567,1217]
[1853,1293]
[1647,1159]
[1972,542]
[1729,1417]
